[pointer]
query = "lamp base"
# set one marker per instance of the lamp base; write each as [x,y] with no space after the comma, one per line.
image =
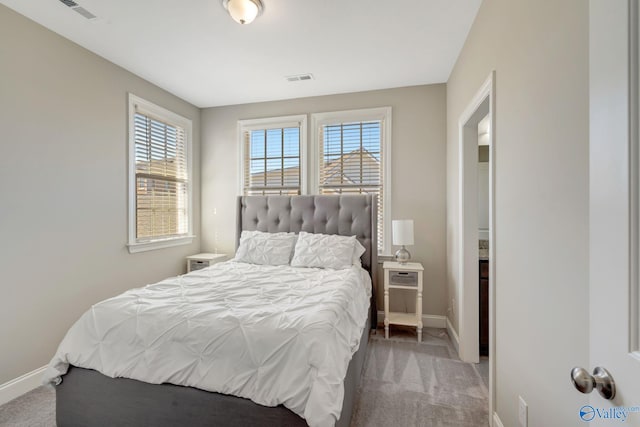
[402,255]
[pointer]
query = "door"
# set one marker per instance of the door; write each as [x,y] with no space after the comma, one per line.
[613,213]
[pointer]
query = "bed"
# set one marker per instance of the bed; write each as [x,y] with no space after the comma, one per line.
[87,397]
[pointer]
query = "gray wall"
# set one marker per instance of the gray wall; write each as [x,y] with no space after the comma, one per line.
[539,50]
[418,171]
[63,183]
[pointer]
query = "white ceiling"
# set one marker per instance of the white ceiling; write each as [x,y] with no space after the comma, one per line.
[194,49]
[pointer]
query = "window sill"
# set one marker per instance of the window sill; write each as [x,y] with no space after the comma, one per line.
[159,244]
[385,257]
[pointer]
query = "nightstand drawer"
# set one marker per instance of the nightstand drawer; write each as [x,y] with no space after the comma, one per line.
[405,278]
[196,264]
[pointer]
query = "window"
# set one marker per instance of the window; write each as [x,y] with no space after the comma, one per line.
[349,155]
[159,177]
[352,149]
[272,155]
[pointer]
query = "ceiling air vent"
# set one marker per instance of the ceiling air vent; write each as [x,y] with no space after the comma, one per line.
[297,78]
[84,12]
[76,7]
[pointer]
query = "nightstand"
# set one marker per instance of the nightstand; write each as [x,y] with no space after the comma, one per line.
[199,261]
[403,276]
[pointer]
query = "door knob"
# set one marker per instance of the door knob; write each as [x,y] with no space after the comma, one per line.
[601,380]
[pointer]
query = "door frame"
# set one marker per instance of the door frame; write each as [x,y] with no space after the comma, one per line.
[468,311]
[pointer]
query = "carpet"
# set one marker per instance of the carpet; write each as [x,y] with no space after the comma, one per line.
[406,383]
[34,409]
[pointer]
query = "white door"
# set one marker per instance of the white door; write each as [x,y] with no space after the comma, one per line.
[613,321]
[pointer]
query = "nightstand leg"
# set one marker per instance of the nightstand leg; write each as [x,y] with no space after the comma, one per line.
[419,314]
[386,313]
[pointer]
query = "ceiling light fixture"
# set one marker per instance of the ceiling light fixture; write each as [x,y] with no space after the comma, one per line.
[243,11]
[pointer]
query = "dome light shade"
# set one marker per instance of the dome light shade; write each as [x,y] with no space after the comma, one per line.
[243,11]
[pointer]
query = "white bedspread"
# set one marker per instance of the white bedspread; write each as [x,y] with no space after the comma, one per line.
[275,335]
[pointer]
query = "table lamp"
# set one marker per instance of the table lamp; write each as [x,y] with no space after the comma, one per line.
[402,231]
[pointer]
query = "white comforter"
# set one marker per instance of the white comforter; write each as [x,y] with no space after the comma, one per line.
[275,335]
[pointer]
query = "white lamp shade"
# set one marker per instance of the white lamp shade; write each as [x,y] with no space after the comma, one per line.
[243,11]
[402,231]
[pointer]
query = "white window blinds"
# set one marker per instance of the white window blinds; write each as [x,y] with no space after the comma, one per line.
[350,161]
[272,161]
[161,178]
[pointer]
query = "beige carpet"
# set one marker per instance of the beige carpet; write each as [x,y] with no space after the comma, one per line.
[404,384]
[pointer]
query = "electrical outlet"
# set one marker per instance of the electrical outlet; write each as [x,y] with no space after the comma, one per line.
[523,412]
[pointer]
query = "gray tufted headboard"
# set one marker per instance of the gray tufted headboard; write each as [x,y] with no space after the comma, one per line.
[346,215]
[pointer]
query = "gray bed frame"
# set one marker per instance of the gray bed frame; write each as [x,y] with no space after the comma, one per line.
[88,398]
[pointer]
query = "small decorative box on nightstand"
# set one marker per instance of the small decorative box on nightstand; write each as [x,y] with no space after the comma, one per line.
[403,276]
[199,261]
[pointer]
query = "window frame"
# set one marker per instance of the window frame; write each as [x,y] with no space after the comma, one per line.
[248,125]
[137,104]
[382,114]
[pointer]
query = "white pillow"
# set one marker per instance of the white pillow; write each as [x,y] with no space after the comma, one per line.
[257,247]
[358,250]
[324,251]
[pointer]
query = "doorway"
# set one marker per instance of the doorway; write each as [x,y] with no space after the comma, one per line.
[474,229]
[484,147]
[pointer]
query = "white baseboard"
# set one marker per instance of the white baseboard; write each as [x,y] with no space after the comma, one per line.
[453,335]
[496,420]
[21,385]
[428,320]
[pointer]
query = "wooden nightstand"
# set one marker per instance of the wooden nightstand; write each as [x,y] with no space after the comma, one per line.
[199,261]
[403,276]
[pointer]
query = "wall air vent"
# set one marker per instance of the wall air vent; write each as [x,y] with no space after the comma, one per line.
[297,78]
[76,7]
